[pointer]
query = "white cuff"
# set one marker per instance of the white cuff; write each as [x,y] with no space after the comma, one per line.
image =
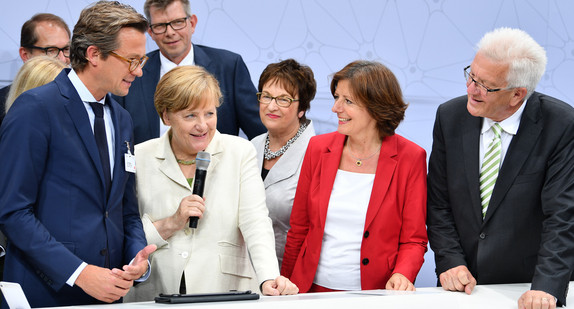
[76,274]
[146,274]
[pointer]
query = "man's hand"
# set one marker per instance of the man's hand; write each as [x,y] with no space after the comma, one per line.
[458,279]
[102,284]
[399,282]
[138,267]
[536,300]
[279,286]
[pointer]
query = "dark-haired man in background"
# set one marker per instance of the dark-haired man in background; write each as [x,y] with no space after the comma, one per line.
[171,27]
[43,34]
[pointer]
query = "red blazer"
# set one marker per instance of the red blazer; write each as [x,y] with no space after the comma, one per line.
[394,237]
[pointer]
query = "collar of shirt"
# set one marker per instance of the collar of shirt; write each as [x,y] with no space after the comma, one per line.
[85,94]
[167,65]
[509,125]
[509,128]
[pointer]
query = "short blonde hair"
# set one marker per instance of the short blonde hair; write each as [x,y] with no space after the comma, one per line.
[185,87]
[34,73]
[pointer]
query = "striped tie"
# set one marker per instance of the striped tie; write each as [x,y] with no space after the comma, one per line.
[490,167]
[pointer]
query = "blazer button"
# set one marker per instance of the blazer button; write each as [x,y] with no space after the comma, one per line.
[365,261]
[366,235]
[184,255]
[482,236]
[106,214]
[103,252]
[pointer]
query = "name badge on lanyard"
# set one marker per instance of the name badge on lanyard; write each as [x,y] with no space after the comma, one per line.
[130,160]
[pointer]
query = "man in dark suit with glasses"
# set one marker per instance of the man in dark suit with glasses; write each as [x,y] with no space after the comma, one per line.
[171,27]
[500,192]
[43,34]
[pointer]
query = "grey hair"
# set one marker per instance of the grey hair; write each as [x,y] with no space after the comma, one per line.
[525,57]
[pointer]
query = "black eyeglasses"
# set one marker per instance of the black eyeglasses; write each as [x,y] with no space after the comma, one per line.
[53,51]
[134,63]
[176,24]
[481,87]
[281,101]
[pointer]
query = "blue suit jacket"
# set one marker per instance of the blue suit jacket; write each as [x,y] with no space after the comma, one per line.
[238,110]
[53,205]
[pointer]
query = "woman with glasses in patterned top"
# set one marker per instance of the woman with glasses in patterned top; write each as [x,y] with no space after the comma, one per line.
[285,92]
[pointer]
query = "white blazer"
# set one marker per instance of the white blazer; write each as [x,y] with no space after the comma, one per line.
[281,183]
[215,255]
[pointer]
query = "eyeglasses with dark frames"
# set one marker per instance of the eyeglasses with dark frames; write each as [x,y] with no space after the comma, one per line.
[53,51]
[281,101]
[176,24]
[480,86]
[134,63]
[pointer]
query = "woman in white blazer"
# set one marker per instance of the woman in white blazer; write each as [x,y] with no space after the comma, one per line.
[285,92]
[232,247]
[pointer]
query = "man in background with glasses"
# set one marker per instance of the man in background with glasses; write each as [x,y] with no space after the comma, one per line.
[501,177]
[67,192]
[171,27]
[43,34]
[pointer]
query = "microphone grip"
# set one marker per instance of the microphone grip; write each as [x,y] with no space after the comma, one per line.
[198,186]
[193,222]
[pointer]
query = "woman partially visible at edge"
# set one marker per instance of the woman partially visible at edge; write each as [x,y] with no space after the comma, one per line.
[35,72]
[286,89]
[358,219]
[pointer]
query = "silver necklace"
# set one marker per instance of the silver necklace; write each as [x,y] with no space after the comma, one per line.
[269,155]
[359,161]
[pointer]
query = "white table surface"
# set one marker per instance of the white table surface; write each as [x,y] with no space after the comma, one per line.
[483,296]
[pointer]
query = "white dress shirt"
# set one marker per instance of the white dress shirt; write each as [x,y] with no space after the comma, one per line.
[509,128]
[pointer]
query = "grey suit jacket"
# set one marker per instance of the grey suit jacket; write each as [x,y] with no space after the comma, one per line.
[281,184]
[527,233]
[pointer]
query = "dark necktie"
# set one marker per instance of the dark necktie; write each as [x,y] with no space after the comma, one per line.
[102,141]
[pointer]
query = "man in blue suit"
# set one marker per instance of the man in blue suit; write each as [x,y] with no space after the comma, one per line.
[172,26]
[67,197]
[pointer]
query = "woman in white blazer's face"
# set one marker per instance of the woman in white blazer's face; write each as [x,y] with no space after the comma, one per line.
[192,129]
[187,98]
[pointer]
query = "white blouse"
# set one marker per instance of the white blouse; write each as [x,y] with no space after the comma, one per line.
[339,265]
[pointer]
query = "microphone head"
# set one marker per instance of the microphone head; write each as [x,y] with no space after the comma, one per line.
[202,160]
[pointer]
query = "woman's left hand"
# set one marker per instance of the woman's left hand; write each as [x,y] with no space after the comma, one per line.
[399,282]
[279,286]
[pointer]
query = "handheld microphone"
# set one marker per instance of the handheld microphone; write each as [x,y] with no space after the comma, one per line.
[202,160]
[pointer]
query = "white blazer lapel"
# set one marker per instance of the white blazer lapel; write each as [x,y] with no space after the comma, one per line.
[167,163]
[215,149]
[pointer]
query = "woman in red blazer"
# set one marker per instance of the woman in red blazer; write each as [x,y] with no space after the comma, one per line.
[358,219]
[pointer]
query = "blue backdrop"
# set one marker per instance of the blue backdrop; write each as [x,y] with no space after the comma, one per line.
[426,43]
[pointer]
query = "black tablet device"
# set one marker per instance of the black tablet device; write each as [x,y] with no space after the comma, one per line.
[207,297]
